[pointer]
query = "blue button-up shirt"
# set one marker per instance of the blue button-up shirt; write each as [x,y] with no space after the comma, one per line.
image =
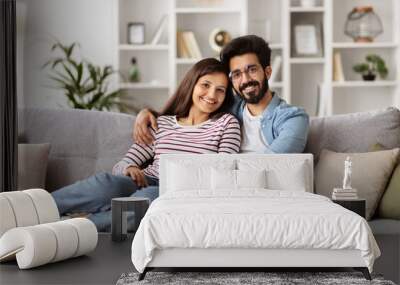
[284,127]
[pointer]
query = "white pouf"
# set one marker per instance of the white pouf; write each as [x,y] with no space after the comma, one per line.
[37,245]
[31,230]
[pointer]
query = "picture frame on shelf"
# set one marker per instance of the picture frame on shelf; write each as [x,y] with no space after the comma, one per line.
[307,40]
[136,33]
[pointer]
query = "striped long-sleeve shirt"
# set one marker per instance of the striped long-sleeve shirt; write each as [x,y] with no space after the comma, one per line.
[213,136]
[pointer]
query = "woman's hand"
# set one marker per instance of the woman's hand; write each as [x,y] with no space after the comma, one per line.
[137,175]
[141,132]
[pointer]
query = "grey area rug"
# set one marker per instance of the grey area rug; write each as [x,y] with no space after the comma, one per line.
[243,278]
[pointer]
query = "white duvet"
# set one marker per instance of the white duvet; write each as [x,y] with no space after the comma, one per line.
[250,219]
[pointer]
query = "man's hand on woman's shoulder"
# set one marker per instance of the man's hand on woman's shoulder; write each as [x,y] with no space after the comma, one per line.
[141,131]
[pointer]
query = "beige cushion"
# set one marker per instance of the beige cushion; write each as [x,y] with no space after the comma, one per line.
[371,172]
[32,165]
[389,205]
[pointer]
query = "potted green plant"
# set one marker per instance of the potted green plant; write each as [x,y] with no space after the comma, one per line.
[85,85]
[374,65]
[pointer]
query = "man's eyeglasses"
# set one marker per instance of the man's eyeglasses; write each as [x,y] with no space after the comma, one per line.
[250,70]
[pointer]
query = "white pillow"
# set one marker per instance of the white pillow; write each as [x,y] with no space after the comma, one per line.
[231,180]
[185,175]
[223,179]
[251,178]
[282,174]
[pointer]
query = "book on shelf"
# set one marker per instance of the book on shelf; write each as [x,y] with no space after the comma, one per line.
[337,197]
[322,100]
[276,66]
[338,74]
[181,46]
[344,191]
[344,194]
[192,45]
[159,30]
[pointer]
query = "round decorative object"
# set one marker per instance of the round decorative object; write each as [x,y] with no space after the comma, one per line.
[363,25]
[218,39]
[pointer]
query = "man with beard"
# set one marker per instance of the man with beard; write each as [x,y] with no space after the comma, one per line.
[269,124]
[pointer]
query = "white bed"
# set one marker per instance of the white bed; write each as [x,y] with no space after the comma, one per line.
[201,219]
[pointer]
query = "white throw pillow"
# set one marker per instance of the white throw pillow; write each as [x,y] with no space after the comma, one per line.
[185,175]
[231,180]
[223,179]
[370,174]
[282,174]
[251,178]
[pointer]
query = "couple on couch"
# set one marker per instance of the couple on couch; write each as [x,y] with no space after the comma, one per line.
[201,117]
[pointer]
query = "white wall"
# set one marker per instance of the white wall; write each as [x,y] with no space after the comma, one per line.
[88,22]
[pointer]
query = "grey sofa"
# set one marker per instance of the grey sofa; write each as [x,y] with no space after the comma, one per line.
[86,142]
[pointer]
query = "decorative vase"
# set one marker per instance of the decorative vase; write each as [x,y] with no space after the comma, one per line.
[363,25]
[134,75]
[369,77]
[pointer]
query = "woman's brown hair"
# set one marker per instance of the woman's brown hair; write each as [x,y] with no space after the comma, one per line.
[180,103]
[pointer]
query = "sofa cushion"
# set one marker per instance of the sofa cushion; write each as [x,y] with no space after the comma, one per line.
[370,174]
[385,227]
[82,142]
[389,207]
[32,165]
[354,132]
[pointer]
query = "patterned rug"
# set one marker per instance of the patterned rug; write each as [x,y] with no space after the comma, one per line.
[244,278]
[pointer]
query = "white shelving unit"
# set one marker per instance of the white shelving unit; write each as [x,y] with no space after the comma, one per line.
[366,84]
[305,60]
[346,45]
[353,94]
[143,47]
[206,10]
[300,80]
[145,85]
[306,10]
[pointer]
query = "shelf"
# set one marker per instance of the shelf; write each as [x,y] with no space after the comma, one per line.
[276,46]
[187,60]
[142,47]
[142,85]
[307,60]
[364,45]
[307,10]
[206,10]
[379,83]
[278,84]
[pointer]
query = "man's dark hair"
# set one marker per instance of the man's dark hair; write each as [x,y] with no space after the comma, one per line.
[247,44]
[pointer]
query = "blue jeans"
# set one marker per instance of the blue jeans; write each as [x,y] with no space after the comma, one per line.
[93,195]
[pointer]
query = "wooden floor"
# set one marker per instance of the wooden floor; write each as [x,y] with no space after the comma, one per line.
[102,266]
[106,264]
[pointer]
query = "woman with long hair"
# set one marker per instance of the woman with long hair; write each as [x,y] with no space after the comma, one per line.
[191,122]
